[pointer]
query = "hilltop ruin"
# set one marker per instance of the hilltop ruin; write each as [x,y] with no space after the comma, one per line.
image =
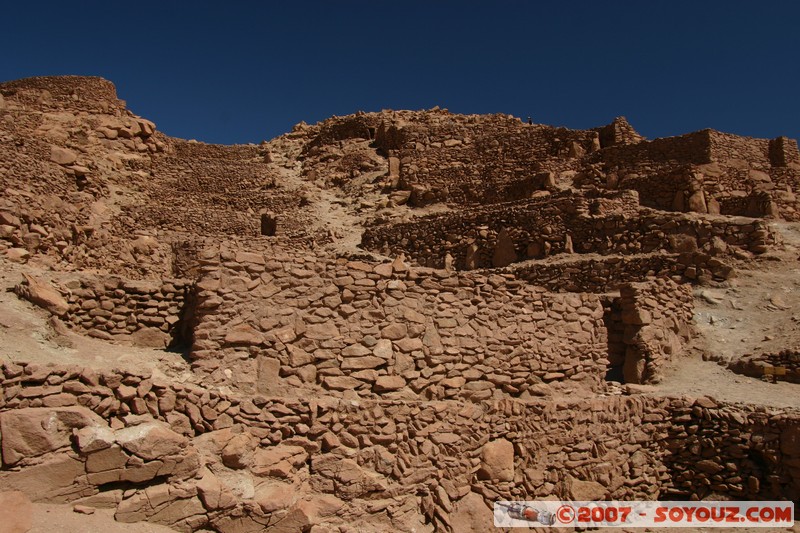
[390,320]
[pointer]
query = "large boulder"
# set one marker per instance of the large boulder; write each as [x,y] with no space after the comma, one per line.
[278,461]
[497,461]
[62,156]
[345,478]
[585,491]
[238,452]
[59,479]
[35,431]
[162,504]
[151,440]
[472,515]
[42,294]
[274,497]
[214,494]
[504,252]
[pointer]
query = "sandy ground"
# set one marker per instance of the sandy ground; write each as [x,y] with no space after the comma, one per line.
[62,519]
[25,335]
[756,312]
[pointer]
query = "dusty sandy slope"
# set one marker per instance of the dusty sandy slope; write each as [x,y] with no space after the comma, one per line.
[758,311]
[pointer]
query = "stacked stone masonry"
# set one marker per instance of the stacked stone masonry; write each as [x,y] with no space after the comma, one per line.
[781,366]
[150,313]
[337,389]
[599,274]
[424,457]
[385,328]
[498,235]
[658,322]
[709,172]
[69,147]
[470,159]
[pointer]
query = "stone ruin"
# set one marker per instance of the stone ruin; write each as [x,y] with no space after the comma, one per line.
[390,320]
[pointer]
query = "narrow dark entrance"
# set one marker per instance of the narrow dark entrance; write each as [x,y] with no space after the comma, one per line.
[612,318]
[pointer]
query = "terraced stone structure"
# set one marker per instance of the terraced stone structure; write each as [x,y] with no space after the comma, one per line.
[385,321]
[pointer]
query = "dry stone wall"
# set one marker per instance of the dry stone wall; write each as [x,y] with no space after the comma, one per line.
[746,453]
[690,148]
[81,93]
[502,234]
[619,132]
[421,458]
[213,190]
[147,312]
[272,321]
[783,152]
[658,322]
[478,159]
[709,171]
[599,274]
[780,366]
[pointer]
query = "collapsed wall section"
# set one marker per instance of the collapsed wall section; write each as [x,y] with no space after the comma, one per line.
[284,322]
[780,366]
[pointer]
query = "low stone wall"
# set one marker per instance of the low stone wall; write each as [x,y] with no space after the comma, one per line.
[149,312]
[425,460]
[502,234]
[743,452]
[781,366]
[602,274]
[268,322]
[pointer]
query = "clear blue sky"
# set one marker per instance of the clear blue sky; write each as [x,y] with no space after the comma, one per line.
[233,72]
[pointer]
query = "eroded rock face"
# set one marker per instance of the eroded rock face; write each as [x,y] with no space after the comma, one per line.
[151,440]
[344,478]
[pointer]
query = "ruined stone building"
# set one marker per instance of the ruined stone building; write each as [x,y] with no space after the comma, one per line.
[384,321]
